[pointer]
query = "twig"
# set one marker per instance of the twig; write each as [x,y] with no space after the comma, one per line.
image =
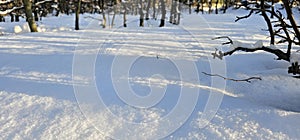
[218,55]
[239,18]
[220,37]
[93,18]
[231,79]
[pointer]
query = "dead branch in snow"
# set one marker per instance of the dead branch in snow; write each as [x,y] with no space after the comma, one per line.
[231,79]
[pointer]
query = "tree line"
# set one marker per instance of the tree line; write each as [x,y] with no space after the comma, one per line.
[35,10]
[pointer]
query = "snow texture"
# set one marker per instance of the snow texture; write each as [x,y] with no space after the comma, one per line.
[37,99]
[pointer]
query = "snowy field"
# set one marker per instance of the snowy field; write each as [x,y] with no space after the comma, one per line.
[162,66]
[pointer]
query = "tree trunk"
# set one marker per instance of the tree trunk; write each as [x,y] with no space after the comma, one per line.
[202,6]
[179,12]
[17,18]
[29,17]
[217,2]
[2,19]
[141,13]
[198,6]
[163,13]
[147,9]
[77,15]
[103,13]
[154,9]
[124,14]
[114,16]
[12,18]
[190,6]
[226,6]
[172,11]
[175,12]
[209,6]
[35,12]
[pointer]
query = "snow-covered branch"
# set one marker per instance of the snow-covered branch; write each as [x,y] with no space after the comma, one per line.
[10,10]
[6,1]
[239,46]
[41,2]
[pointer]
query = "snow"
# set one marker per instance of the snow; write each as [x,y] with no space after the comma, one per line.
[17,29]
[236,44]
[37,99]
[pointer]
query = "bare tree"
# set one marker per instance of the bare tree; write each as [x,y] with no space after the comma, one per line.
[286,31]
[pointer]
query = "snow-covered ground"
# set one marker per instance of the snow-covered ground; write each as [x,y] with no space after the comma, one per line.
[163,66]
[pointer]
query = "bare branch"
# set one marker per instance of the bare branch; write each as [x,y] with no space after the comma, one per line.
[239,18]
[218,55]
[230,40]
[280,54]
[231,79]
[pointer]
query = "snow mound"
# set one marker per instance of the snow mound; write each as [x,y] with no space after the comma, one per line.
[21,29]
[17,29]
[236,44]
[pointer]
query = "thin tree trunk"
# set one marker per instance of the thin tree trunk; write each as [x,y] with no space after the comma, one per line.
[202,6]
[17,18]
[190,6]
[12,19]
[141,13]
[114,16]
[124,14]
[198,6]
[217,2]
[29,17]
[209,6]
[172,11]
[179,12]
[103,13]
[154,9]
[77,15]
[2,19]
[163,13]
[175,12]
[35,12]
[226,6]
[36,16]
[147,9]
